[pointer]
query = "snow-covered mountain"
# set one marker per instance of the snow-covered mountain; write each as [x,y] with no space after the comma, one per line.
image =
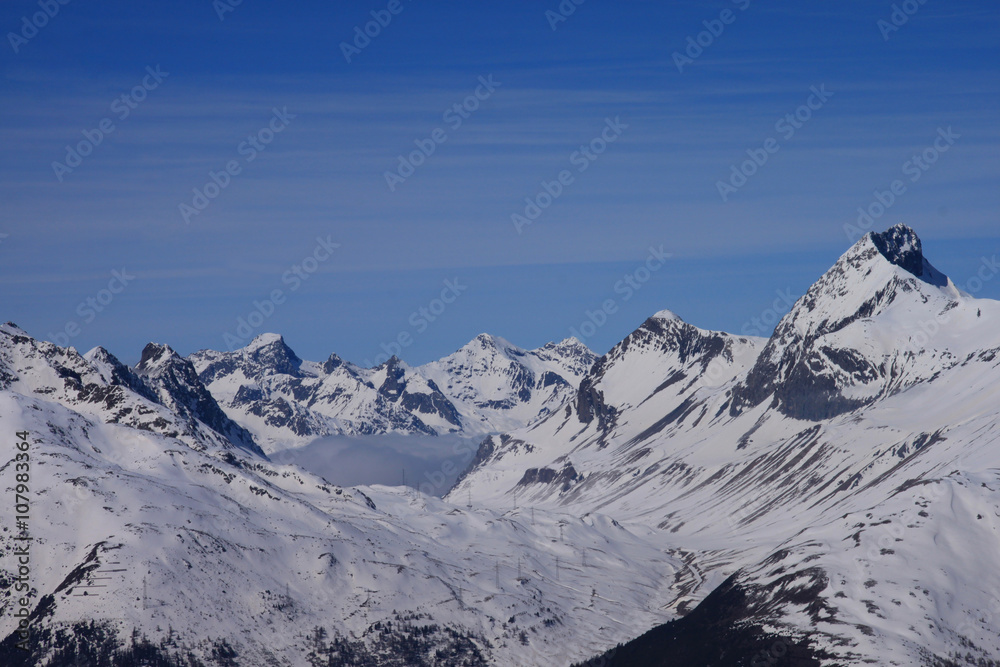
[285,401]
[162,394]
[851,339]
[827,496]
[882,378]
[497,386]
[486,386]
[144,544]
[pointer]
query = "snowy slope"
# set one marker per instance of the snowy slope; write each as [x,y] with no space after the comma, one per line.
[240,553]
[664,371]
[911,581]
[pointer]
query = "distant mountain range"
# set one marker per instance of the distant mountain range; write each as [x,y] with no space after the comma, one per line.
[829,495]
[488,385]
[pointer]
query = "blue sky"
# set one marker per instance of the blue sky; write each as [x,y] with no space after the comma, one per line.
[323,175]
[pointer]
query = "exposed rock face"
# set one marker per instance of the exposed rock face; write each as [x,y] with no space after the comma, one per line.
[394,388]
[180,389]
[563,479]
[590,403]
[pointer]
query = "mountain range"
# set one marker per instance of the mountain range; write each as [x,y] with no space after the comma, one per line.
[489,385]
[829,495]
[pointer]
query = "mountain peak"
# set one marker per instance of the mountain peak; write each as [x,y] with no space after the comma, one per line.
[393,365]
[332,363]
[154,354]
[901,246]
[263,340]
[822,360]
[485,339]
[569,349]
[571,343]
[175,380]
[99,354]
[667,315]
[271,350]
[13,329]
